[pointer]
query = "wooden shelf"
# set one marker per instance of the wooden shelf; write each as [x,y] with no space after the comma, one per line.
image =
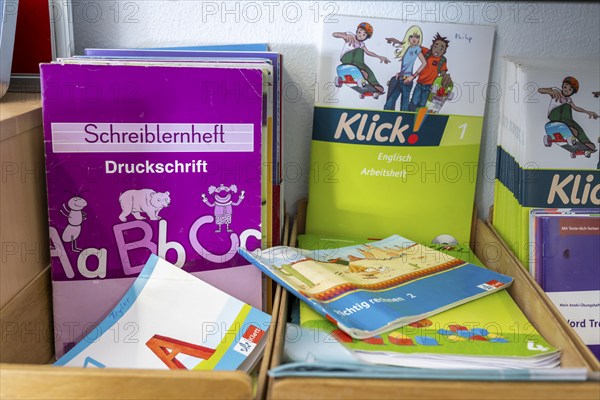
[23,209]
[19,112]
[26,296]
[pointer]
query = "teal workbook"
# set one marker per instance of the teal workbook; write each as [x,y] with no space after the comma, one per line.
[368,289]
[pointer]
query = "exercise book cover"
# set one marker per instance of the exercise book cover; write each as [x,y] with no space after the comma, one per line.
[397,126]
[173,321]
[141,160]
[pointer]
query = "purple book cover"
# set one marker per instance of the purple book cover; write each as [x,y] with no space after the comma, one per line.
[226,55]
[570,266]
[140,160]
[274,58]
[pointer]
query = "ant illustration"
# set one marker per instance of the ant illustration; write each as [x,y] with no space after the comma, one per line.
[72,210]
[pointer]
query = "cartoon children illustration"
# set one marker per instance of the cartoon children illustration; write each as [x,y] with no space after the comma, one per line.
[354,52]
[434,66]
[223,204]
[560,116]
[407,52]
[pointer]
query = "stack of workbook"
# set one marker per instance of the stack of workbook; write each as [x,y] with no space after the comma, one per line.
[547,154]
[396,309]
[173,153]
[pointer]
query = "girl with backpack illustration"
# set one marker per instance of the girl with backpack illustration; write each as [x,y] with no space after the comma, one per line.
[407,52]
[354,52]
[435,65]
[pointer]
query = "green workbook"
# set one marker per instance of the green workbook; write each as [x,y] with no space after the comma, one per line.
[490,332]
[397,128]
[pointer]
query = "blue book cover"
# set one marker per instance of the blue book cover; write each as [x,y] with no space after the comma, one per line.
[372,288]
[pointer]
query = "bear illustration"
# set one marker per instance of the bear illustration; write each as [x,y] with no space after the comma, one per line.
[140,201]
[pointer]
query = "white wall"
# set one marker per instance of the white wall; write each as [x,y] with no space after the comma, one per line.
[291,27]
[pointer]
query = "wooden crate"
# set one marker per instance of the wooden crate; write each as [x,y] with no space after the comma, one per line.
[23,212]
[532,301]
[26,346]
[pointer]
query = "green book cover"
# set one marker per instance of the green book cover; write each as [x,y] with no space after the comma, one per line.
[397,129]
[491,330]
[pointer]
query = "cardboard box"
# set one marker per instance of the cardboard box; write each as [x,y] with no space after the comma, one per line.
[526,293]
[26,345]
[23,212]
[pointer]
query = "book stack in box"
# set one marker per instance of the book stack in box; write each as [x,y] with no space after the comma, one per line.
[394,150]
[547,154]
[391,309]
[548,180]
[164,154]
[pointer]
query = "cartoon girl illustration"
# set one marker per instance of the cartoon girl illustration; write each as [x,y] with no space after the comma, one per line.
[407,52]
[560,115]
[223,204]
[355,49]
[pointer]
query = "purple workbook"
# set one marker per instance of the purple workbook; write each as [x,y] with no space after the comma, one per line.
[223,54]
[148,159]
[570,267]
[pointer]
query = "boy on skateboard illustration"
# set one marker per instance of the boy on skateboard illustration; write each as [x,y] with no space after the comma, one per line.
[561,127]
[407,52]
[353,55]
[429,71]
